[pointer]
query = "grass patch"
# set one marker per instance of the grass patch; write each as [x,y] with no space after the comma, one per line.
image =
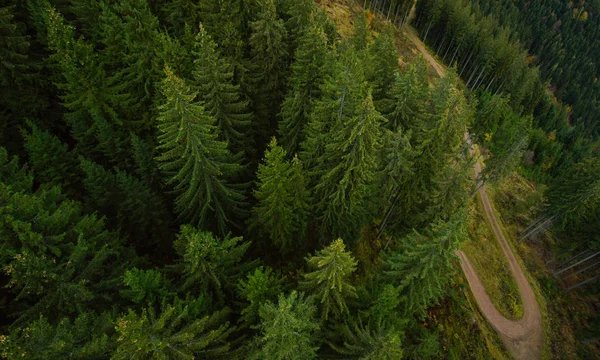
[491,265]
[564,315]
[464,332]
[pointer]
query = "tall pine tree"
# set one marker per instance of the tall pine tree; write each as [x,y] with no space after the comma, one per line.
[196,162]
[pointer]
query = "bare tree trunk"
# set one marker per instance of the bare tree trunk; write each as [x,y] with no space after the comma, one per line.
[454,55]
[577,263]
[467,63]
[472,73]
[448,48]
[538,227]
[590,340]
[583,270]
[581,254]
[583,283]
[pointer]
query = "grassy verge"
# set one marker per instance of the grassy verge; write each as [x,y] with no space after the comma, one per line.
[564,315]
[491,265]
[464,332]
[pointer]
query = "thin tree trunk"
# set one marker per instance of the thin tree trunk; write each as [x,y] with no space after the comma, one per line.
[583,283]
[538,227]
[583,270]
[590,340]
[389,11]
[448,48]
[490,83]
[472,74]
[454,55]
[464,67]
[581,254]
[427,32]
[577,263]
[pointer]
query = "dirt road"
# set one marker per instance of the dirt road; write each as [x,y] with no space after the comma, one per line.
[523,338]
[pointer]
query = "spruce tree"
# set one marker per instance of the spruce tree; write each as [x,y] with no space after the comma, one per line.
[329,280]
[349,166]
[258,287]
[282,197]
[383,67]
[91,106]
[422,264]
[221,98]
[209,263]
[53,164]
[287,329]
[196,162]
[408,98]
[59,262]
[370,342]
[308,73]
[86,337]
[267,69]
[173,333]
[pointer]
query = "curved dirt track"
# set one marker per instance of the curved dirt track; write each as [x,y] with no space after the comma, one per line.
[523,338]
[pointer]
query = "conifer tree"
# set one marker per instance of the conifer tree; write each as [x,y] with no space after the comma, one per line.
[308,73]
[258,287]
[269,63]
[50,160]
[282,197]
[408,95]
[221,98]
[143,158]
[370,342]
[361,36]
[59,262]
[329,280]
[422,264]
[90,105]
[301,15]
[173,333]
[209,263]
[144,286]
[85,337]
[196,162]
[287,329]
[382,67]
[348,169]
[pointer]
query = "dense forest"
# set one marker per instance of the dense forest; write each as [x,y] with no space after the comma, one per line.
[236,180]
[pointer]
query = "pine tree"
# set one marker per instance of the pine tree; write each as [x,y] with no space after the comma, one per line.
[209,263]
[422,264]
[267,69]
[370,342]
[197,163]
[308,73]
[301,13]
[144,286]
[287,329]
[382,68]
[329,281]
[52,163]
[90,105]
[259,286]
[221,98]
[281,211]
[409,95]
[144,165]
[85,337]
[171,334]
[361,36]
[59,262]
[349,164]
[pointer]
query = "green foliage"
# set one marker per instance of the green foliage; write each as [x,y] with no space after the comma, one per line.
[171,334]
[196,162]
[422,264]
[221,98]
[282,209]
[209,263]
[267,71]
[260,286]
[59,262]
[49,158]
[365,342]
[329,280]
[287,329]
[309,70]
[343,159]
[83,338]
[383,67]
[143,286]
